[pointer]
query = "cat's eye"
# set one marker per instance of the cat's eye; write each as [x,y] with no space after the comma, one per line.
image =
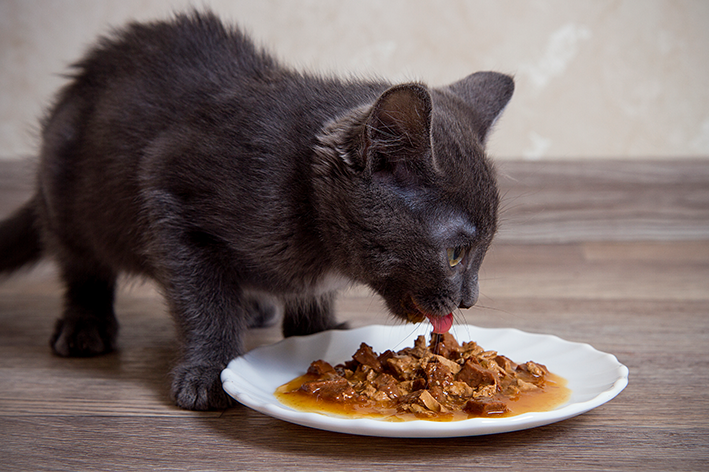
[455,255]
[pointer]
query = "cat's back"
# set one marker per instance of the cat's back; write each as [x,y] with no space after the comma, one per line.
[191,50]
[133,90]
[146,78]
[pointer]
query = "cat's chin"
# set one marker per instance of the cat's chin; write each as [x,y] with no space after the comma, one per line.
[441,323]
[411,309]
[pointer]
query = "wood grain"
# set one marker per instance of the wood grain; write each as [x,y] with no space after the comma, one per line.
[604,200]
[645,301]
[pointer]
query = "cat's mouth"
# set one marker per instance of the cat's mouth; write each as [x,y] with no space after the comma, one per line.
[441,324]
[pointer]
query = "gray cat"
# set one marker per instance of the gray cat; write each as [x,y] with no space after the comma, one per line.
[181,152]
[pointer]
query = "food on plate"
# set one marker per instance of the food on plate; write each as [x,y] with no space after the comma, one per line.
[439,380]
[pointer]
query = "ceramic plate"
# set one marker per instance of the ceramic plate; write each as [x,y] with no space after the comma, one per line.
[593,377]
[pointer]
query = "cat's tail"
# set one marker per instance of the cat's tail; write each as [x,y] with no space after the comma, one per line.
[20,240]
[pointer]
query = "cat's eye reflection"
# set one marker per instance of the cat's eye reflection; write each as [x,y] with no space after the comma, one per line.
[455,255]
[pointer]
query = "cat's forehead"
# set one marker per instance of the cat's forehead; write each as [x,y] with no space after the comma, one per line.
[474,220]
[451,223]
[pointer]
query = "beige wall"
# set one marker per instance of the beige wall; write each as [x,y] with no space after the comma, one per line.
[595,78]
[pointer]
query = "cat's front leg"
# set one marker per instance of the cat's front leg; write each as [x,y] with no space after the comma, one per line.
[211,314]
[211,321]
[212,317]
[302,316]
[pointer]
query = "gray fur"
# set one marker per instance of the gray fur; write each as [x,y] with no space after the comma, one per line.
[181,152]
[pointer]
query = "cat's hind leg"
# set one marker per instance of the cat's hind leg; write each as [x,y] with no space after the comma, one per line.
[263,313]
[304,316]
[88,325]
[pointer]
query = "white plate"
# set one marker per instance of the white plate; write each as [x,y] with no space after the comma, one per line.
[593,377]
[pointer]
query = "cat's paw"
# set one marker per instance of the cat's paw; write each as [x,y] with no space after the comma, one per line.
[199,387]
[84,337]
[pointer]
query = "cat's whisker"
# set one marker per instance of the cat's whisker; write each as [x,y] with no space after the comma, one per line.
[403,341]
[491,308]
[509,205]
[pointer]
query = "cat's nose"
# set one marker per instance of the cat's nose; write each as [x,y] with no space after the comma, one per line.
[469,293]
[469,299]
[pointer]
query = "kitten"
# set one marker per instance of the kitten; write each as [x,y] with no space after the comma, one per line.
[181,152]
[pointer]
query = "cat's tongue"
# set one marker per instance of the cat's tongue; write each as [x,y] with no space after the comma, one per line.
[441,324]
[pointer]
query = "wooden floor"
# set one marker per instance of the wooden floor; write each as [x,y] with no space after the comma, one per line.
[644,298]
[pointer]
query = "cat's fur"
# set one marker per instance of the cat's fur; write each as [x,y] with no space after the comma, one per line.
[182,152]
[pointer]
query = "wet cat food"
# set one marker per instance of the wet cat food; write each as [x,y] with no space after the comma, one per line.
[442,380]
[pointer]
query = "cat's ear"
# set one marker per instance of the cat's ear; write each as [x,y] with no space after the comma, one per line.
[398,133]
[488,94]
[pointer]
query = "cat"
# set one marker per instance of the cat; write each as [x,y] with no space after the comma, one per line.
[182,152]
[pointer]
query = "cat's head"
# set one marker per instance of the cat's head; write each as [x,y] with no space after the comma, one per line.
[406,197]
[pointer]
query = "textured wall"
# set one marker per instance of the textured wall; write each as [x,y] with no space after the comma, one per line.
[594,79]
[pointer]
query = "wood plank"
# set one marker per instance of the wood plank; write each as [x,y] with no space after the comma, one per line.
[604,200]
[252,442]
[600,271]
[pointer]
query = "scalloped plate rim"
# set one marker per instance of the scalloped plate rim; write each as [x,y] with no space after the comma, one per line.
[257,392]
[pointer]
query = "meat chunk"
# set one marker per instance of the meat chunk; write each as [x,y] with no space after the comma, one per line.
[421,402]
[485,407]
[445,345]
[337,389]
[366,356]
[454,367]
[388,384]
[368,390]
[420,350]
[470,349]
[532,368]
[437,373]
[384,356]
[459,390]
[320,368]
[476,376]
[404,367]
[506,364]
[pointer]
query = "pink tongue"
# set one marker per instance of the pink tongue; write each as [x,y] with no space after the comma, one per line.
[441,324]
